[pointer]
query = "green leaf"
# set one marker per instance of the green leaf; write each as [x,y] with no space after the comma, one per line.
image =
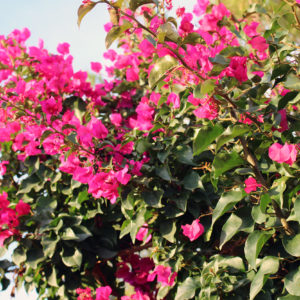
[169,31]
[162,66]
[181,201]
[289,297]
[297,209]
[142,146]
[226,161]
[187,289]
[230,133]
[168,230]
[49,244]
[204,88]
[153,198]
[134,4]
[29,183]
[291,244]
[184,154]
[192,181]
[205,136]
[192,38]
[34,256]
[292,82]
[52,279]
[292,282]
[19,255]
[220,60]
[233,51]
[72,257]
[280,70]
[288,98]
[268,266]
[81,232]
[115,32]
[241,221]
[254,244]
[225,203]
[45,134]
[68,126]
[163,172]
[83,10]
[286,21]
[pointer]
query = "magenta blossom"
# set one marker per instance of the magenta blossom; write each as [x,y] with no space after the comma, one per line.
[194,230]
[63,48]
[164,275]
[174,99]
[143,234]
[259,43]
[251,185]
[22,208]
[250,30]
[96,67]
[103,293]
[3,167]
[283,154]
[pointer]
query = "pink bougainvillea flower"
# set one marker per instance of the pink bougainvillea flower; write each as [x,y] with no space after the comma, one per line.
[108,26]
[194,230]
[251,185]
[164,275]
[200,7]
[137,296]
[3,167]
[180,11]
[186,25]
[51,106]
[63,48]
[132,74]
[259,43]
[22,208]
[146,47]
[116,119]
[142,233]
[122,176]
[103,293]
[96,67]
[237,68]
[250,30]
[84,294]
[283,153]
[110,54]
[174,99]
[3,200]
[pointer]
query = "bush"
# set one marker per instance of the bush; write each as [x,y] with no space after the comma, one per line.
[175,176]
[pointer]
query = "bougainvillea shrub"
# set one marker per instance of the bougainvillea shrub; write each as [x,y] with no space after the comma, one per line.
[174,176]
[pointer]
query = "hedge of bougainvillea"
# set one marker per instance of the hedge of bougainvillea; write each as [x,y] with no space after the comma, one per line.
[174,175]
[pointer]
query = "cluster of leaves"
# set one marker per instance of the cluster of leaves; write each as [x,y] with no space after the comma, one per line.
[188,116]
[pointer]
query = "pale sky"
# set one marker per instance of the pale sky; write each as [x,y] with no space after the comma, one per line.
[55,21]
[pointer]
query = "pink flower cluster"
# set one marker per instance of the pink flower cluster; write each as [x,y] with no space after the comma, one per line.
[54,76]
[9,217]
[286,153]
[207,107]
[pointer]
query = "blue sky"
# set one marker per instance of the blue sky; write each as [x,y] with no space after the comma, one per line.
[55,21]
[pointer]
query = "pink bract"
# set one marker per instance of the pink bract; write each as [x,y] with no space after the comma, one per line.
[103,293]
[251,185]
[283,153]
[194,230]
